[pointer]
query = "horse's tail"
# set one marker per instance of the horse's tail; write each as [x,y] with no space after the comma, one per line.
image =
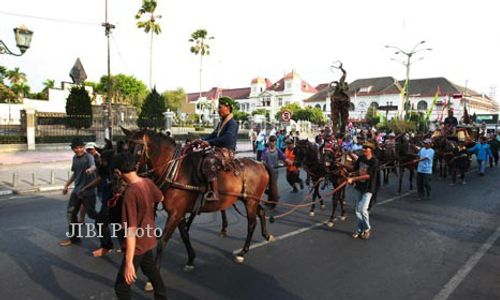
[273,185]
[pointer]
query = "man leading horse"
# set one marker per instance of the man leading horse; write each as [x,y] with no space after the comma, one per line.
[223,140]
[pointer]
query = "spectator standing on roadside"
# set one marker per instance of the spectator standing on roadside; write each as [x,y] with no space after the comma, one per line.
[84,171]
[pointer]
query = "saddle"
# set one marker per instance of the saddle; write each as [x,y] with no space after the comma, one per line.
[219,159]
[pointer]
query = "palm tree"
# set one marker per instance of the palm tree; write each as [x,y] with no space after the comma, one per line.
[3,73]
[150,26]
[16,76]
[48,84]
[198,38]
[21,89]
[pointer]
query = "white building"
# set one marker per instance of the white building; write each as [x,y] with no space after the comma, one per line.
[262,94]
[384,93]
[56,103]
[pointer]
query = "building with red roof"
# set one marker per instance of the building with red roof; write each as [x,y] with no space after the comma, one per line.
[262,94]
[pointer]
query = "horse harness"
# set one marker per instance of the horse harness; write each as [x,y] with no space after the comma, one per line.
[168,177]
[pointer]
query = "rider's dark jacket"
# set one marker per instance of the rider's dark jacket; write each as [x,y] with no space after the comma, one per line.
[227,136]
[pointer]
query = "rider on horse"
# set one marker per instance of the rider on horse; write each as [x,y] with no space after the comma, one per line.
[223,139]
[450,124]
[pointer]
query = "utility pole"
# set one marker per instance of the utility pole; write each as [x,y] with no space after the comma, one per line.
[107,112]
[407,64]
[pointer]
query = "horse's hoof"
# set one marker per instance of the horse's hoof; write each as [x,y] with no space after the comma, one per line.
[329,224]
[322,206]
[188,268]
[222,235]
[271,238]
[148,287]
[311,214]
[239,259]
[343,218]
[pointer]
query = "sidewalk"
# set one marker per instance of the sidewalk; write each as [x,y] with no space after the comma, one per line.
[40,171]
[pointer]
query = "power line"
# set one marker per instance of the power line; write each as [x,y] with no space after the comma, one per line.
[50,19]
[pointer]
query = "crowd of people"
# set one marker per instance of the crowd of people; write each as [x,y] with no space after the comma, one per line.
[93,179]
[277,149]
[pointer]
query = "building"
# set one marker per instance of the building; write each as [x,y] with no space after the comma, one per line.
[385,94]
[56,103]
[262,94]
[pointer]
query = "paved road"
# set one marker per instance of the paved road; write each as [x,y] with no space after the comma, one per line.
[447,247]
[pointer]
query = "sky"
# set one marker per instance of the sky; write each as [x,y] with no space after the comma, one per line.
[260,38]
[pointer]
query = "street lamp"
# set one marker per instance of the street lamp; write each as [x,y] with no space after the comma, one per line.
[23,40]
[407,64]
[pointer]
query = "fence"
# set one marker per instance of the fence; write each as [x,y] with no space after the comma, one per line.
[60,128]
[12,134]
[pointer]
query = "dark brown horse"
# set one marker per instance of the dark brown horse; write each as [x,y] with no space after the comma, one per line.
[184,186]
[407,156]
[321,168]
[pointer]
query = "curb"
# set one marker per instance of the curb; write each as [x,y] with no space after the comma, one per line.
[35,162]
[5,192]
[34,190]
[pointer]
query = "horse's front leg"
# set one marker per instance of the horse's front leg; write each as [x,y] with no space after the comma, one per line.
[173,221]
[263,224]
[223,232]
[314,196]
[401,174]
[251,207]
[183,230]
[412,171]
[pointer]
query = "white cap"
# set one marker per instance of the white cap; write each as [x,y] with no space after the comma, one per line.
[90,145]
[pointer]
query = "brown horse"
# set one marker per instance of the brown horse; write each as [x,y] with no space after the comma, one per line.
[324,168]
[183,187]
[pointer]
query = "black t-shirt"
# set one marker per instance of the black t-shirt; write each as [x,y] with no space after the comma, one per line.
[365,166]
[451,121]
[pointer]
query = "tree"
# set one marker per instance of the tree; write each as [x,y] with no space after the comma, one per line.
[151,115]
[150,26]
[16,76]
[21,89]
[48,84]
[174,99]
[240,115]
[3,74]
[78,108]
[6,94]
[200,46]
[292,107]
[372,116]
[124,89]
[261,111]
[314,115]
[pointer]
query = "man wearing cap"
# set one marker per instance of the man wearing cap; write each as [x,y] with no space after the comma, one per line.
[450,124]
[424,170]
[83,168]
[223,139]
[366,186]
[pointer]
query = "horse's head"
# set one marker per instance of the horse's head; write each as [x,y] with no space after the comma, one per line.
[329,159]
[150,148]
[305,151]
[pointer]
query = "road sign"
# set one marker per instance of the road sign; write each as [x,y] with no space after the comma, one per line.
[286,116]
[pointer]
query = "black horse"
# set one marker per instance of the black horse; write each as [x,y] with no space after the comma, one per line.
[327,167]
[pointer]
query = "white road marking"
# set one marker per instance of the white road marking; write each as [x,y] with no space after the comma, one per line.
[395,198]
[302,230]
[284,236]
[455,281]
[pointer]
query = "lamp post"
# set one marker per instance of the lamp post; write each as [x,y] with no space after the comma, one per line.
[407,64]
[23,40]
